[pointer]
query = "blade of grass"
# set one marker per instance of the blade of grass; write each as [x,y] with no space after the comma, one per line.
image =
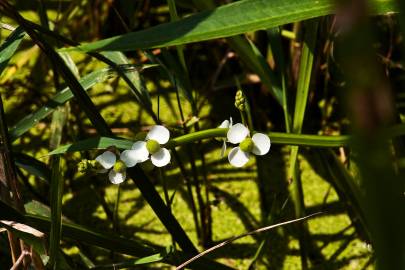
[134,262]
[33,166]
[82,98]
[56,193]
[304,77]
[62,97]
[346,187]
[228,20]
[56,187]
[276,46]
[133,79]
[256,62]
[111,59]
[10,46]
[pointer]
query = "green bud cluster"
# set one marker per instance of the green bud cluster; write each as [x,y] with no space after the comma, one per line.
[240,100]
[87,165]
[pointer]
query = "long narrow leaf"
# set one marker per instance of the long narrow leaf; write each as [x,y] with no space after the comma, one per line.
[56,192]
[62,97]
[228,20]
[10,46]
[33,166]
[304,77]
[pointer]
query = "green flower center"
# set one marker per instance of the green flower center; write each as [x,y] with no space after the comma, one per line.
[246,145]
[119,166]
[152,146]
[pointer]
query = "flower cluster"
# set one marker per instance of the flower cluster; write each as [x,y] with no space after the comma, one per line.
[259,144]
[140,152]
[152,148]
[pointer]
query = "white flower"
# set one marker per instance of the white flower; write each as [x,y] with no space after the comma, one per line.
[225,124]
[108,160]
[259,144]
[141,150]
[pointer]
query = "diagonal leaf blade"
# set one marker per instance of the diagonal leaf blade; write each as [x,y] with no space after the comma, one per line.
[10,46]
[228,20]
[60,98]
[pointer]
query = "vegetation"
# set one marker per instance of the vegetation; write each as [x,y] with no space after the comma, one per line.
[115,115]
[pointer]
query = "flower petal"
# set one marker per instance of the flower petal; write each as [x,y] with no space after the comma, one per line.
[237,133]
[140,151]
[230,122]
[223,149]
[224,124]
[107,159]
[237,157]
[261,144]
[129,157]
[161,158]
[158,133]
[117,177]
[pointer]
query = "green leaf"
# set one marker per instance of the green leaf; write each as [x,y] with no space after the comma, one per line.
[56,193]
[276,46]
[10,46]
[255,61]
[80,94]
[345,185]
[32,165]
[304,77]
[131,263]
[62,97]
[133,79]
[250,56]
[228,20]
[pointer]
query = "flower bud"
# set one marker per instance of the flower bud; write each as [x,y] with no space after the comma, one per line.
[240,100]
[86,166]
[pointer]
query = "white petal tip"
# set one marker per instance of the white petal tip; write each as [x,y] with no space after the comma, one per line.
[107,159]
[237,133]
[261,144]
[140,152]
[224,124]
[161,158]
[159,133]
[116,177]
[237,157]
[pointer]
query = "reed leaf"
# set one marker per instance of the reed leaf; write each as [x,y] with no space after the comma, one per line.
[225,21]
